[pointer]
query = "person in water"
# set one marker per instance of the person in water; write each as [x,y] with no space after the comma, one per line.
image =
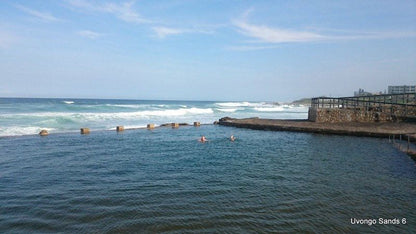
[232,138]
[203,139]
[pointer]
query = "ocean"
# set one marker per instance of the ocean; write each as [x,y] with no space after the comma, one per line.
[26,116]
[165,181]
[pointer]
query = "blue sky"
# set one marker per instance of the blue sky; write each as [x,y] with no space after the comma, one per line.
[205,49]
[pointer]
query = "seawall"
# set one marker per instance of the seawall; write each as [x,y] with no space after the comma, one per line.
[337,115]
[367,129]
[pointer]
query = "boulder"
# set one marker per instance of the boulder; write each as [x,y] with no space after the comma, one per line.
[44,132]
[85,130]
[225,119]
[120,128]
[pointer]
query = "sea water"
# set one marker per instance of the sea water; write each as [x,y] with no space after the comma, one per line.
[25,116]
[165,181]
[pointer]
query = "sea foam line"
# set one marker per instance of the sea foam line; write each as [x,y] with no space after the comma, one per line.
[114,115]
[229,110]
[239,104]
[23,130]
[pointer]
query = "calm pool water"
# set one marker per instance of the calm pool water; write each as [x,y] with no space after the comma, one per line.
[166,181]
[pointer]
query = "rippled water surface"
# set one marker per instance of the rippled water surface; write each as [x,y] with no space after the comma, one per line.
[28,116]
[166,181]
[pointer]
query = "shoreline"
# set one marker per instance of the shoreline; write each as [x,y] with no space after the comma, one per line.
[375,129]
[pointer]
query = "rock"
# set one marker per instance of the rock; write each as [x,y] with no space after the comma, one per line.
[85,130]
[120,128]
[225,119]
[44,132]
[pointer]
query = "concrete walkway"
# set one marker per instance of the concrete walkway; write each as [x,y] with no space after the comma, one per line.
[380,129]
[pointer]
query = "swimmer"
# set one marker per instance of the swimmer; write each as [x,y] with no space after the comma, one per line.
[232,138]
[203,139]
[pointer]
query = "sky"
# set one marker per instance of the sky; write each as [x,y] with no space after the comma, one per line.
[205,49]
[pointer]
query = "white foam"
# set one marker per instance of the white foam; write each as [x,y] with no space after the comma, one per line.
[117,115]
[229,110]
[68,102]
[287,106]
[127,127]
[237,104]
[269,109]
[134,106]
[20,131]
[283,108]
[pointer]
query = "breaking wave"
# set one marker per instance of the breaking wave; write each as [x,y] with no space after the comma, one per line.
[22,130]
[228,110]
[238,104]
[269,109]
[134,106]
[56,115]
[118,115]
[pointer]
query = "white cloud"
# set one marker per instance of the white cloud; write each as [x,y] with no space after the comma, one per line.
[163,32]
[123,11]
[44,16]
[276,35]
[268,34]
[89,34]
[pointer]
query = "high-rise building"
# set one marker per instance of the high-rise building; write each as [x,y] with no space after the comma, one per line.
[361,92]
[402,89]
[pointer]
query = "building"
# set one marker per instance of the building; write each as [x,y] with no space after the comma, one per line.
[402,89]
[361,92]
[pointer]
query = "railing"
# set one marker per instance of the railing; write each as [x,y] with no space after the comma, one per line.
[403,105]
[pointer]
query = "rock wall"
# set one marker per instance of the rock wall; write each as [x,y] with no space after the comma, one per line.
[336,115]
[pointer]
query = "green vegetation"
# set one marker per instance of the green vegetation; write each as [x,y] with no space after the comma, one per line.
[303,101]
